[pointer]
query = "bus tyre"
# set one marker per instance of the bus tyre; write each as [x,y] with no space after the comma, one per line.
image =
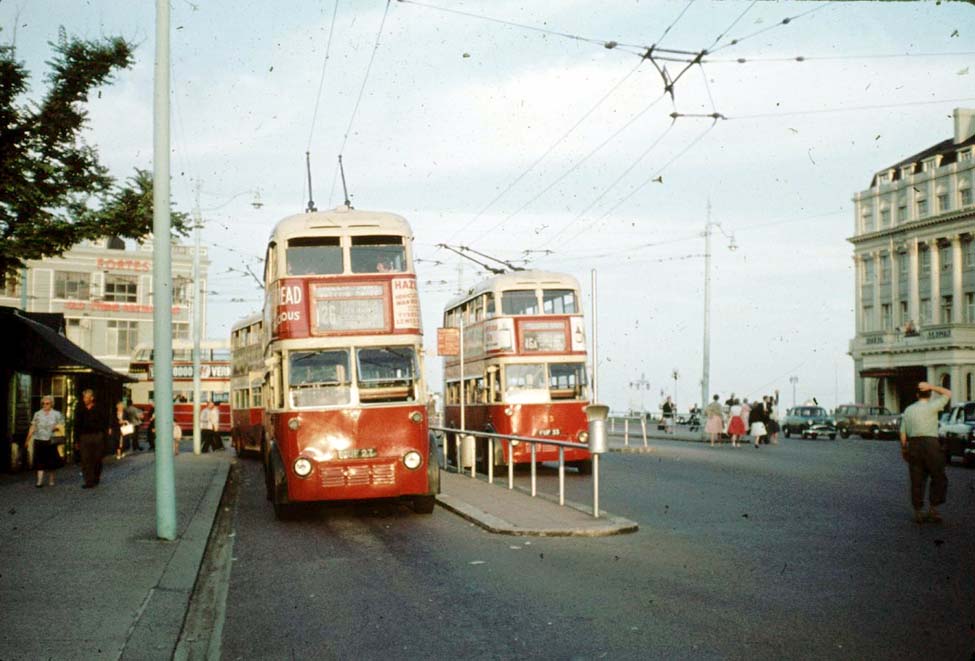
[424,504]
[584,467]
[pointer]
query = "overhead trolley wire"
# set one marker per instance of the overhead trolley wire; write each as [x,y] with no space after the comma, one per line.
[813,58]
[321,82]
[823,111]
[784,21]
[548,151]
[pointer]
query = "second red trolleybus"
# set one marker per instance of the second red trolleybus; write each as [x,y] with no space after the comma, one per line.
[345,415]
[524,365]
[246,385]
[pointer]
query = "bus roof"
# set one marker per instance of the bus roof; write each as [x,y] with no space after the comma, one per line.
[518,280]
[340,221]
[249,320]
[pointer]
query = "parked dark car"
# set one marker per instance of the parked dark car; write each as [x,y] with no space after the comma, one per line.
[866,421]
[958,433]
[799,418]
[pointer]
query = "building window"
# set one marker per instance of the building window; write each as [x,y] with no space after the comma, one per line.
[867,271]
[946,309]
[121,289]
[885,268]
[72,285]
[72,328]
[903,263]
[867,318]
[883,178]
[922,207]
[902,211]
[965,155]
[970,307]
[945,257]
[927,166]
[942,202]
[924,256]
[122,337]
[903,318]
[964,197]
[969,250]
[867,219]
[11,286]
[924,315]
[181,330]
[886,318]
[885,216]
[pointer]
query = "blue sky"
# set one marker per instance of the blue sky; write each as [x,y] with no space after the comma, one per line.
[456,109]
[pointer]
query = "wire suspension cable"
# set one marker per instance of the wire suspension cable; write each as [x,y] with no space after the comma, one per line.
[321,82]
[546,153]
[670,27]
[784,21]
[365,79]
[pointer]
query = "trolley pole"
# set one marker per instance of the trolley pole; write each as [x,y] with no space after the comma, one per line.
[162,285]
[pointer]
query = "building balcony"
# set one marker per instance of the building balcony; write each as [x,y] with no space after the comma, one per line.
[926,338]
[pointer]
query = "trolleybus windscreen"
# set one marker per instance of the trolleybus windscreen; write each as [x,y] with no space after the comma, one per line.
[559,301]
[386,372]
[318,255]
[519,301]
[377,254]
[319,378]
[567,380]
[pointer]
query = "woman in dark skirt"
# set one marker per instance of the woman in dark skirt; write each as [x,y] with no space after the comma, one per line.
[42,431]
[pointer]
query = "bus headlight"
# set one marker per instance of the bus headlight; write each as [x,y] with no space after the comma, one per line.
[294,423]
[416,417]
[412,459]
[583,436]
[302,467]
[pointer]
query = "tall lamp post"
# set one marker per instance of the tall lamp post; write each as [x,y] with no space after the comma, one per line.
[706,353]
[793,380]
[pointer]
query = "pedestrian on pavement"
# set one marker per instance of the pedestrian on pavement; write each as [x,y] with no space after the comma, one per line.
[46,428]
[667,409]
[756,424]
[736,426]
[92,425]
[134,416]
[922,451]
[210,421]
[715,419]
[772,413]
[121,430]
[177,437]
[150,418]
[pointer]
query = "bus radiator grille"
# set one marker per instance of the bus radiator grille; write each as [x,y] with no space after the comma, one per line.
[378,474]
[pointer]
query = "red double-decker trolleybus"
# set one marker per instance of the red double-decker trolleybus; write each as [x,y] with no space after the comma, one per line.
[345,415]
[524,366]
[246,385]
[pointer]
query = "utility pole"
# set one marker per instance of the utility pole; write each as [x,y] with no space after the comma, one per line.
[162,284]
[793,380]
[706,351]
[197,318]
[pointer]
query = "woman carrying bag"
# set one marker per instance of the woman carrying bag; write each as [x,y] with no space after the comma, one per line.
[47,432]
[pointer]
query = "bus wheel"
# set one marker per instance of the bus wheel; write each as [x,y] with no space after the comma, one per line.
[584,467]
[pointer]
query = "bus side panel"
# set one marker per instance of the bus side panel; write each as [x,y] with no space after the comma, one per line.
[355,453]
[561,420]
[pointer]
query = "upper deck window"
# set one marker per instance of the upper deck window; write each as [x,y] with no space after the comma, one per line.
[377,254]
[519,301]
[559,301]
[314,255]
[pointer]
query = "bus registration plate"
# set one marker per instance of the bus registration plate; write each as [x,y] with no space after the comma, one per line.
[357,453]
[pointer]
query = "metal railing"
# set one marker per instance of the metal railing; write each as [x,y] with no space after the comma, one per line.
[491,437]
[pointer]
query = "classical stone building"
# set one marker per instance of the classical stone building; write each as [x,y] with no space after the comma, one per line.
[104,290]
[914,259]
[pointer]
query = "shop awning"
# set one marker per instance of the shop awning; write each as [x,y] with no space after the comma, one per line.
[31,346]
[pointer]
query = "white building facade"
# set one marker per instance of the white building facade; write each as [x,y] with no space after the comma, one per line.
[914,260]
[104,290]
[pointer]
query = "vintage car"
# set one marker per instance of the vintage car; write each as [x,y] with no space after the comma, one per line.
[827,430]
[799,418]
[867,421]
[958,433]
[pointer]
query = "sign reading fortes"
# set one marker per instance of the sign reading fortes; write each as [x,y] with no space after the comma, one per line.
[184,371]
[289,316]
[111,264]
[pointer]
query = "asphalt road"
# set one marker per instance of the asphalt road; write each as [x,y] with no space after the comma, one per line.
[802,550]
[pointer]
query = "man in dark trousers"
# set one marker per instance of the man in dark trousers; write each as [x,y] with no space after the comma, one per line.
[922,451]
[91,425]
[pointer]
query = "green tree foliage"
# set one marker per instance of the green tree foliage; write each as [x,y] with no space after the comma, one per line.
[54,192]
